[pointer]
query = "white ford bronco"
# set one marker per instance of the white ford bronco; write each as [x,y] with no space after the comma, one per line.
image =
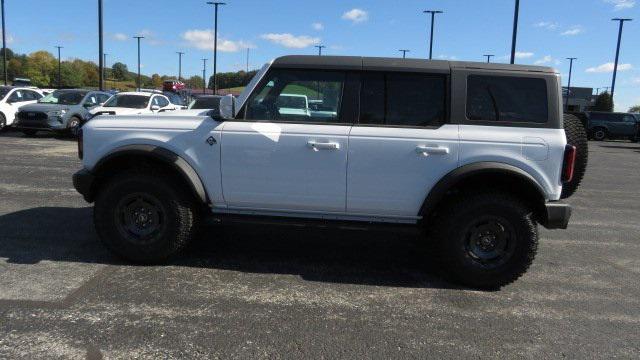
[475,155]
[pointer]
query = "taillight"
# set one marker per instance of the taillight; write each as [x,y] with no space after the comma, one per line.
[569,165]
[80,143]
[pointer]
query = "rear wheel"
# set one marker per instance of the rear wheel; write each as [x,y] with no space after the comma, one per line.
[3,122]
[576,136]
[485,240]
[145,218]
[599,134]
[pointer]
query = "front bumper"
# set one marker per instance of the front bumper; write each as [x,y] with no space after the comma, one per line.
[49,124]
[83,181]
[556,215]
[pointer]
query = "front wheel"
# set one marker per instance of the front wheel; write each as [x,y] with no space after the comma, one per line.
[29,132]
[3,122]
[73,126]
[144,218]
[486,240]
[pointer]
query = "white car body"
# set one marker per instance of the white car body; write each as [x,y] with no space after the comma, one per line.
[15,98]
[148,109]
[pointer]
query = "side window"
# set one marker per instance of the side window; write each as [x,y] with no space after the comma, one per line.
[162,101]
[298,96]
[30,95]
[399,99]
[17,96]
[507,99]
[629,118]
[91,100]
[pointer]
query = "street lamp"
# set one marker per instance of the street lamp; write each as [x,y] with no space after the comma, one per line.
[100,46]
[433,15]
[4,45]
[204,76]
[320,47]
[180,53]
[566,106]
[59,67]
[138,38]
[515,32]
[104,69]
[215,45]
[488,56]
[615,66]
[404,53]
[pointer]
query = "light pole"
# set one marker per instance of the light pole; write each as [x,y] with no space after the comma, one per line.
[247,59]
[204,76]
[138,38]
[104,63]
[515,32]
[100,47]
[615,66]
[59,67]
[4,45]
[488,56]
[566,106]
[320,47]
[433,15]
[180,53]
[215,45]
[404,53]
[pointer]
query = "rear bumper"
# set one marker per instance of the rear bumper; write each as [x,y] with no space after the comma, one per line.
[83,181]
[557,215]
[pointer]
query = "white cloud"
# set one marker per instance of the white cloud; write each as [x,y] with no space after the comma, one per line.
[119,37]
[291,41]
[524,55]
[608,67]
[150,37]
[356,15]
[546,25]
[447,57]
[621,4]
[574,30]
[318,26]
[635,81]
[203,40]
[544,60]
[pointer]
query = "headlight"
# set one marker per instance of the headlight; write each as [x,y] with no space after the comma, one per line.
[57,112]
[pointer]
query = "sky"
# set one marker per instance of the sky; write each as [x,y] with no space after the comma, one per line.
[549,32]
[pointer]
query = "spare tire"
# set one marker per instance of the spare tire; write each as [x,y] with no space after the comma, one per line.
[576,136]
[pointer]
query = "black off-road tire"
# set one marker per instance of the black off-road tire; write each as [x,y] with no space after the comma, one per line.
[576,136]
[599,134]
[455,229]
[29,132]
[3,122]
[177,223]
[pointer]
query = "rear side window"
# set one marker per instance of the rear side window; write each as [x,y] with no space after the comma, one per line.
[507,99]
[399,99]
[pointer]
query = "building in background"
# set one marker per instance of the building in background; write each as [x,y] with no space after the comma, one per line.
[580,99]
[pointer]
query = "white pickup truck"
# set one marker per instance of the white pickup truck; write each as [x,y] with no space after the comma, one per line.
[473,155]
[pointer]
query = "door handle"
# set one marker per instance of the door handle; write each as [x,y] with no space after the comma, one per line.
[432,150]
[323,145]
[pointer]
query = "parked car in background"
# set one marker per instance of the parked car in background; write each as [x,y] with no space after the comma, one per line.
[607,125]
[211,102]
[131,103]
[172,85]
[21,82]
[12,98]
[61,111]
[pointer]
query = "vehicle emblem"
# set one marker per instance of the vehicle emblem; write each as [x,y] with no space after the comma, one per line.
[211,141]
[31,114]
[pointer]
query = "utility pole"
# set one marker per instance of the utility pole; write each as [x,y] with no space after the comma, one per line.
[215,45]
[247,59]
[597,91]
[204,76]
[59,67]
[488,56]
[104,76]
[615,66]
[566,106]
[433,15]
[138,38]
[515,32]
[179,64]
[100,46]
[404,53]
[320,47]
[4,45]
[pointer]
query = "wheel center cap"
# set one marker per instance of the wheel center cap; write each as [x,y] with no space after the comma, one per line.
[142,218]
[487,242]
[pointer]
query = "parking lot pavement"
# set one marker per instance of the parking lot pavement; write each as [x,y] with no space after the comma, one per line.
[259,292]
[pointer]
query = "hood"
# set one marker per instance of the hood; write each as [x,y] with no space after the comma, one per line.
[43,107]
[167,121]
[118,110]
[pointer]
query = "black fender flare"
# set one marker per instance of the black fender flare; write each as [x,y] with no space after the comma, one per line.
[185,169]
[453,178]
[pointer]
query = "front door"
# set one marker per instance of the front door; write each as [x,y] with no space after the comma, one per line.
[289,150]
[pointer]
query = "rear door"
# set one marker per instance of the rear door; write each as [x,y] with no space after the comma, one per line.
[402,144]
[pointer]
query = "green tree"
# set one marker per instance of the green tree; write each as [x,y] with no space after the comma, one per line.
[604,102]
[635,109]
[120,71]
[40,68]
[72,74]
[156,80]
[194,82]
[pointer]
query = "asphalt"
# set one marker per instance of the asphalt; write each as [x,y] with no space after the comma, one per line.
[259,292]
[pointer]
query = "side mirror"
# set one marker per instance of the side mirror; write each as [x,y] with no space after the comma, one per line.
[227,108]
[155,107]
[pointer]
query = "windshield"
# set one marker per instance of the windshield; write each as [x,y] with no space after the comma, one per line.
[128,101]
[3,92]
[63,97]
[205,103]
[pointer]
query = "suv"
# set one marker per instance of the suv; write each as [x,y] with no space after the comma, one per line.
[11,99]
[133,103]
[473,154]
[60,111]
[603,125]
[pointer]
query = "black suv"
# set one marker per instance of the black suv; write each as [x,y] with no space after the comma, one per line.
[606,125]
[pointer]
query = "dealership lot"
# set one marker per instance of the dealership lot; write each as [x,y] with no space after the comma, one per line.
[269,292]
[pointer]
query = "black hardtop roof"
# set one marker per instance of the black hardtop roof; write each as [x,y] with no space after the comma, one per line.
[394,64]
